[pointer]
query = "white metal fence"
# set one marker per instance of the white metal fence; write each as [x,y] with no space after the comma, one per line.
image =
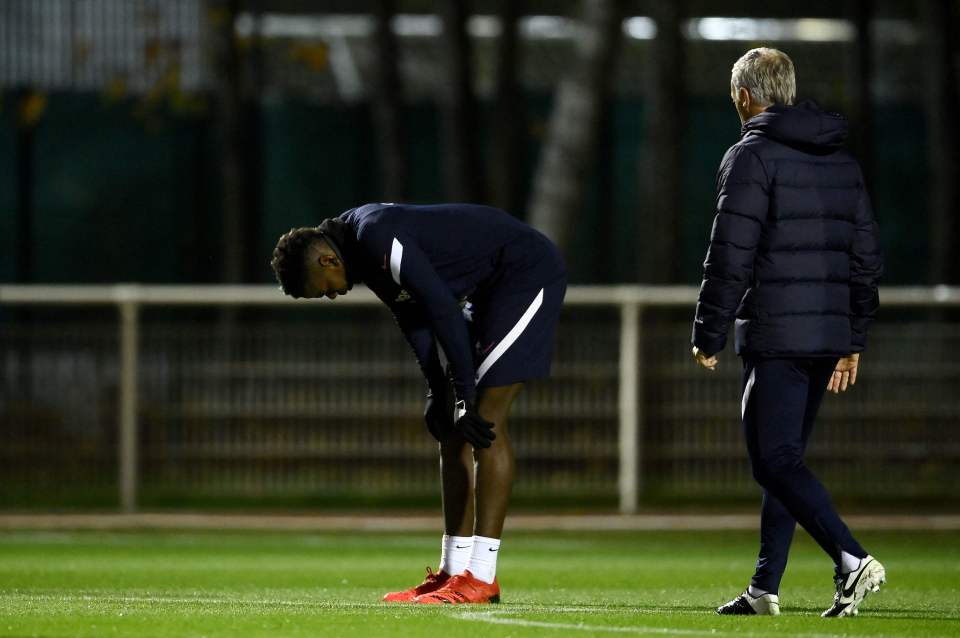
[227,390]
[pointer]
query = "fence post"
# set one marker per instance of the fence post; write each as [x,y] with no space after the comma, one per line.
[128,373]
[629,406]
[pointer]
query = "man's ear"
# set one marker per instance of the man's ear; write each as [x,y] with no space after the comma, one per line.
[743,97]
[329,260]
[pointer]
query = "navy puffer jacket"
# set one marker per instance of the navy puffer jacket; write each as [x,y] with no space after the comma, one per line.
[794,253]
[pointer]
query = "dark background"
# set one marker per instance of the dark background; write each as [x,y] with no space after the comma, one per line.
[173,141]
[151,142]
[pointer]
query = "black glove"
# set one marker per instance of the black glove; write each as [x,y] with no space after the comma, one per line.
[473,427]
[438,413]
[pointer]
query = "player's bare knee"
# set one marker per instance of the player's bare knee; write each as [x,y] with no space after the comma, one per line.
[494,403]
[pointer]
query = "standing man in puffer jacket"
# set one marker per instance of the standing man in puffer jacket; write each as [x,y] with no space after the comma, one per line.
[794,260]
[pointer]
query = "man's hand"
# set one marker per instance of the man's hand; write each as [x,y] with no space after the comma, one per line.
[473,427]
[438,413]
[844,374]
[708,361]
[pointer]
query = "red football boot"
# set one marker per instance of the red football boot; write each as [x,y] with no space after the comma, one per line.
[433,582]
[465,588]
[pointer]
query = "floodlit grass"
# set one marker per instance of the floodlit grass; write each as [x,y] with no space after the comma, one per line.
[579,584]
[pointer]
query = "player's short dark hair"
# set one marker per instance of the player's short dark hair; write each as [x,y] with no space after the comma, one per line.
[289,259]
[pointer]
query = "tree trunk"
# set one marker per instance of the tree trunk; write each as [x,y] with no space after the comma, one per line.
[228,122]
[509,126]
[943,138]
[662,166]
[862,79]
[236,88]
[255,263]
[29,108]
[569,154]
[461,164]
[388,106]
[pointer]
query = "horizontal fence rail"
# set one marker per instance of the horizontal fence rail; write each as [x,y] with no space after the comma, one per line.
[269,295]
[207,399]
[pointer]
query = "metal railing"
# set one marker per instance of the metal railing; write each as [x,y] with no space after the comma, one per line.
[630,302]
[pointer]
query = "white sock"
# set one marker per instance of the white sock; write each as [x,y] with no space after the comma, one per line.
[483,561]
[455,554]
[848,563]
[755,592]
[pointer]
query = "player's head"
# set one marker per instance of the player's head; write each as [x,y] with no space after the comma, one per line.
[761,78]
[307,265]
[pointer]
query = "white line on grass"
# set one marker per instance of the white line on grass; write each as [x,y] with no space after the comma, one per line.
[495,618]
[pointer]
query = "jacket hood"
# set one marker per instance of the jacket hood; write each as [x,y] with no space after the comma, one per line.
[340,235]
[805,127]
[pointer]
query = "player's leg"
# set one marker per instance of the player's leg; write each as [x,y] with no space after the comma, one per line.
[515,331]
[494,480]
[457,486]
[457,496]
[495,464]
[494,483]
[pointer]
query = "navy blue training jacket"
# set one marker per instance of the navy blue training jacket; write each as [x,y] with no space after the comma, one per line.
[794,253]
[424,262]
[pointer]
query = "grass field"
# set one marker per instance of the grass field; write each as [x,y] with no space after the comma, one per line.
[562,584]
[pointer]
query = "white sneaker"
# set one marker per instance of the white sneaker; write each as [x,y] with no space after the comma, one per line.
[853,587]
[747,605]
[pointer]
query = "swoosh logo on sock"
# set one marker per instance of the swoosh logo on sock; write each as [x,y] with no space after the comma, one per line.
[847,592]
[490,549]
[462,546]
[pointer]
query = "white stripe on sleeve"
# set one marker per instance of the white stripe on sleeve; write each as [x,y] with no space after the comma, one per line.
[396,256]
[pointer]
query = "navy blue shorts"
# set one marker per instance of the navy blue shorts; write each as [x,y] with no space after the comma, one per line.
[514,332]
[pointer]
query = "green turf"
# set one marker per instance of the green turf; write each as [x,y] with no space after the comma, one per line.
[578,584]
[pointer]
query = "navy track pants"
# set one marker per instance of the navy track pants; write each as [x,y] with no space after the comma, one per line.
[779,405]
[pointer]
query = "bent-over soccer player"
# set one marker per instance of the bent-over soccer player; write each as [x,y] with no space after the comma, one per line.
[486,288]
[795,257]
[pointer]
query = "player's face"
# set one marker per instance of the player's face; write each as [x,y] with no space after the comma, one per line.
[326,276]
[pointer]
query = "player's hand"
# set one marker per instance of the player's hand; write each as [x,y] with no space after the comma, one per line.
[438,412]
[473,427]
[708,361]
[844,374]
[438,415]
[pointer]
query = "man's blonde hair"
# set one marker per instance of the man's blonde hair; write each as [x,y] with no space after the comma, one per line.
[768,75]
